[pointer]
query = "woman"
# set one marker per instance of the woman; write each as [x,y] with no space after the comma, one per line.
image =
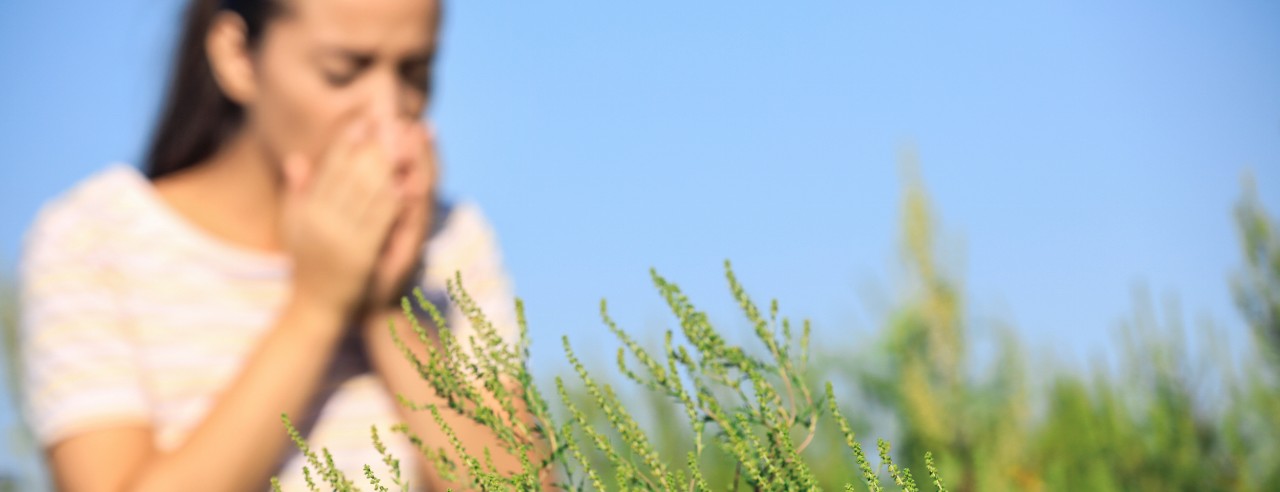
[170,318]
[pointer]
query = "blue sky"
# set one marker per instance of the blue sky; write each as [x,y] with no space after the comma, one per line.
[1074,150]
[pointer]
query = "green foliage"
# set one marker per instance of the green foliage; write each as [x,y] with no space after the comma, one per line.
[1167,418]
[755,407]
[9,331]
[1257,286]
[17,440]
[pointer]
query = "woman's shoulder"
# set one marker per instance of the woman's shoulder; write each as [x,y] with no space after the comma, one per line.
[462,239]
[459,219]
[94,207]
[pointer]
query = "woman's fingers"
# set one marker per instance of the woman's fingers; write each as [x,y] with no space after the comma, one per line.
[420,167]
[378,216]
[372,175]
[331,176]
[356,171]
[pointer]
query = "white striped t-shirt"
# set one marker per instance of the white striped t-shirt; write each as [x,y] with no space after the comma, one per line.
[130,314]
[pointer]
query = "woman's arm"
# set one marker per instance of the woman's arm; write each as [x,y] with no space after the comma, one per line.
[239,443]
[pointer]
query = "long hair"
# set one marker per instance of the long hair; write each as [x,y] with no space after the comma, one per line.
[197,117]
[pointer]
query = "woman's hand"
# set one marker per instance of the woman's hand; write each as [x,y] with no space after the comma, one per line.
[337,216]
[416,171]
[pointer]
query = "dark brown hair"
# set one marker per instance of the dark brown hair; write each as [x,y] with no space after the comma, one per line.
[197,117]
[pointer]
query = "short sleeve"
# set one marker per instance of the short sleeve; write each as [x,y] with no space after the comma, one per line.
[466,244]
[79,366]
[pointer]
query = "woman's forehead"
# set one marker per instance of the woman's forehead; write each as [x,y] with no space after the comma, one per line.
[367,24]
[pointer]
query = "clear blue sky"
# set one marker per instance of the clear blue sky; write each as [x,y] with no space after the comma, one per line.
[1074,150]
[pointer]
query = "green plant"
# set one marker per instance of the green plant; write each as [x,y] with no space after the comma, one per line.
[755,405]
[9,332]
[17,440]
[1257,286]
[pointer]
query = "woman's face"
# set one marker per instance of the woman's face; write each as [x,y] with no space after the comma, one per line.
[325,63]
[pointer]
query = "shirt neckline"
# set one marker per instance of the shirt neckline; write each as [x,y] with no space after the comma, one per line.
[225,252]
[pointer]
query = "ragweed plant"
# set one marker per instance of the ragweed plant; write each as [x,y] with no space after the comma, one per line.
[753,404]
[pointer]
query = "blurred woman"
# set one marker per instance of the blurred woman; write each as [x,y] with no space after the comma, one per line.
[171,316]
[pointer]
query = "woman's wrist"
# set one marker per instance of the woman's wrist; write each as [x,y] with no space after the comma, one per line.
[316,318]
[377,320]
[377,317]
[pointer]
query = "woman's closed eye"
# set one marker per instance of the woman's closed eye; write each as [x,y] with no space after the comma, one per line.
[345,70]
[340,79]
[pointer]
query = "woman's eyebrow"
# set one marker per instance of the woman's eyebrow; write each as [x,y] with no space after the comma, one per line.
[358,56]
[421,57]
[362,57]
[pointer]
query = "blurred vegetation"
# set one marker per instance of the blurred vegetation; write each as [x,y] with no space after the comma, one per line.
[1168,415]
[1257,286]
[1164,414]
[9,329]
[15,439]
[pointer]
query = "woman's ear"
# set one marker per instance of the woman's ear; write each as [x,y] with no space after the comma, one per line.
[227,47]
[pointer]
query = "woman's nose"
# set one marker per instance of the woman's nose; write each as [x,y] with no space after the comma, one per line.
[384,107]
[384,104]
